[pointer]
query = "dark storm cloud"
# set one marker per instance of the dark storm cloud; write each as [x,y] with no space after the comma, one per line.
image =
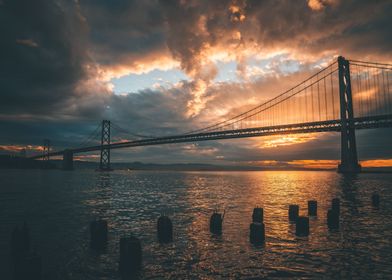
[123,28]
[42,53]
[53,54]
[352,27]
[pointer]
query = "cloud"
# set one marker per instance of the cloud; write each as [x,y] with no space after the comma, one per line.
[377,163]
[286,140]
[39,74]
[318,5]
[20,148]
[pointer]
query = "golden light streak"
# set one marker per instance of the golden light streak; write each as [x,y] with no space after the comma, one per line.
[264,163]
[315,164]
[377,163]
[84,157]
[332,164]
[286,140]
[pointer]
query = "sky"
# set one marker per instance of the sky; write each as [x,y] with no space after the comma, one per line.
[166,67]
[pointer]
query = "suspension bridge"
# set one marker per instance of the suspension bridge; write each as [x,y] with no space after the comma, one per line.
[345,96]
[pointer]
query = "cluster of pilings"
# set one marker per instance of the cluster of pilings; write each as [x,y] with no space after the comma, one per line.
[131,249]
[333,215]
[302,227]
[25,263]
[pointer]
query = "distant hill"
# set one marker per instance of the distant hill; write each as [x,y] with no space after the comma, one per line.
[183,167]
[7,162]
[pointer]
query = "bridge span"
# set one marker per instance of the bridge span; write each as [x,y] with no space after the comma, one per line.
[324,102]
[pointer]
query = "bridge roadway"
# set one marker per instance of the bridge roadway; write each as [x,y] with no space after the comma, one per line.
[310,127]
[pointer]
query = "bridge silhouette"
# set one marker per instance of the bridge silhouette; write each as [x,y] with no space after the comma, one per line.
[324,102]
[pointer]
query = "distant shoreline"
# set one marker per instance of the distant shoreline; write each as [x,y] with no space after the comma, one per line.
[25,163]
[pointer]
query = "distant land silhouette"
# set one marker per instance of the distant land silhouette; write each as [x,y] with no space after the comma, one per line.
[15,162]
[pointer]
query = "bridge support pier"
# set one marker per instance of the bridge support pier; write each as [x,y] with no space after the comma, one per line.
[349,158]
[68,160]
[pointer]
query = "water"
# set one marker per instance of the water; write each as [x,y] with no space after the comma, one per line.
[59,205]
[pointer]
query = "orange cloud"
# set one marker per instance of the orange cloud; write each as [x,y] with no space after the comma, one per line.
[318,5]
[286,140]
[195,149]
[264,163]
[332,164]
[237,12]
[18,148]
[137,65]
[86,157]
[377,163]
[315,164]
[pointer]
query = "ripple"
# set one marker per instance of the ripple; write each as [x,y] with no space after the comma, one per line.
[59,206]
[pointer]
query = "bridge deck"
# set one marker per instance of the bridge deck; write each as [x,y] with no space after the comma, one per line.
[311,127]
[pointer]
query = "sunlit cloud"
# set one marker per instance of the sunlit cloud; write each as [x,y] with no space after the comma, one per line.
[86,157]
[318,5]
[265,163]
[332,164]
[377,163]
[286,140]
[314,164]
[237,11]
[139,65]
[196,149]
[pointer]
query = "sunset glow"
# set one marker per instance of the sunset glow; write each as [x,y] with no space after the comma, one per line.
[158,69]
[19,148]
[286,140]
[195,139]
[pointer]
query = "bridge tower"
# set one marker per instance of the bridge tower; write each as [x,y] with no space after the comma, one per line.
[104,163]
[349,157]
[46,150]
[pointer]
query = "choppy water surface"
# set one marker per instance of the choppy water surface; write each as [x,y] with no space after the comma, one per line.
[59,205]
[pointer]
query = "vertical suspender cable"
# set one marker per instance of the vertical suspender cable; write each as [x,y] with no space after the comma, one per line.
[318,98]
[375,92]
[306,104]
[389,95]
[333,101]
[325,99]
